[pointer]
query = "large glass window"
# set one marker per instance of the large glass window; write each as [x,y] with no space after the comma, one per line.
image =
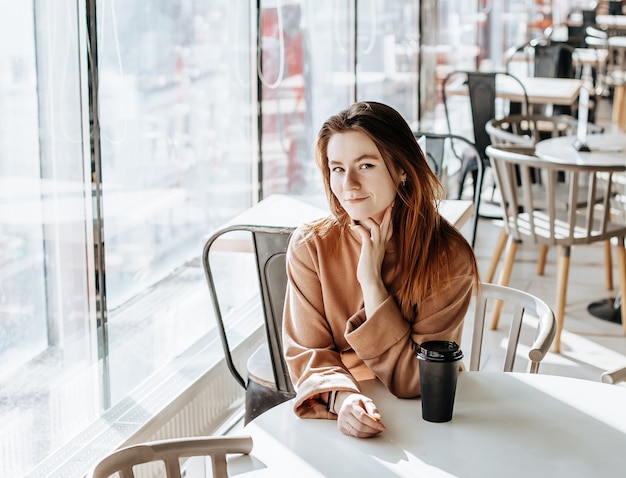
[48,392]
[176,118]
[130,132]
[387,53]
[304,48]
[177,162]
[315,59]
[177,129]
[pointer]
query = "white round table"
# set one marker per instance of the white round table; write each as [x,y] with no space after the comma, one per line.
[606,149]
[504,424]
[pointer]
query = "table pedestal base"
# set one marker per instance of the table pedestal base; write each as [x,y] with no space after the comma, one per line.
[607,309]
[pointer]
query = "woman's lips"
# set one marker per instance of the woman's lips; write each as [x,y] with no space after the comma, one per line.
[355,200]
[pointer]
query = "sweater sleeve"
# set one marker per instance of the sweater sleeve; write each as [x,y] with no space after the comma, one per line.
[387,343]
[314,362]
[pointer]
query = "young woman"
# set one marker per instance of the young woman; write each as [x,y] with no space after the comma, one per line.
[383,273]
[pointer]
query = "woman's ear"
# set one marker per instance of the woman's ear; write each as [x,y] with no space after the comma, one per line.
[403,178]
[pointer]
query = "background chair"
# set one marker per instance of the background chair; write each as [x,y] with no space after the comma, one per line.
[558,220]
[520,133]
[545,59]
[613,376]
[526,130]
[577,32]
[170,452]
[522,305]
[616,76]
[482,95]
[435,146]
[267,382]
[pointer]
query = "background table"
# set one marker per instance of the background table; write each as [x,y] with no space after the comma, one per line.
[504,424]
[283,210]
[606,150]
[556,91]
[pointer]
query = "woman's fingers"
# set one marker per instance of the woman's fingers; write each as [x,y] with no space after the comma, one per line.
[378,233]
[359,417]
[371,410]
[361,431]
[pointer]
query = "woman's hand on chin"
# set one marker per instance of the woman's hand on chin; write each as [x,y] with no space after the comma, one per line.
[374,239]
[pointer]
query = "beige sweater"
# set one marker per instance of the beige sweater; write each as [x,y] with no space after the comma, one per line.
[327,341]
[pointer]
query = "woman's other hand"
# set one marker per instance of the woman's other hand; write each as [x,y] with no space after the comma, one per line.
[357,415]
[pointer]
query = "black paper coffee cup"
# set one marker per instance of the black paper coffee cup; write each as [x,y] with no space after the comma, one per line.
[439,370]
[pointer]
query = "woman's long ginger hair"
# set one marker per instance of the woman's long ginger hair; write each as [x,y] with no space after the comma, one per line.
[421,237]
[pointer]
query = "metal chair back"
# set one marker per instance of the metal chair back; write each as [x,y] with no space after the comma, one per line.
[482,95]
[435,149]
[269,247]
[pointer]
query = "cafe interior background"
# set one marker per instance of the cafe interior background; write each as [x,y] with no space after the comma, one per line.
[129,131]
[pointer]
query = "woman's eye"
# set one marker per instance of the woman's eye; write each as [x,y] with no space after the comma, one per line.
[337,169]
[366,166]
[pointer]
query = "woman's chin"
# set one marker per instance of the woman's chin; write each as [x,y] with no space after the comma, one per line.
[357,218]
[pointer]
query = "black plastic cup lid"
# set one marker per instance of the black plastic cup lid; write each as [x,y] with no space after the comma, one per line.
[439,351]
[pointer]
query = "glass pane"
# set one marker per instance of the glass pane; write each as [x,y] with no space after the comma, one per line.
[330,78]
[387,54]
[178,160]
[305,72]
[48,390]
[458,30]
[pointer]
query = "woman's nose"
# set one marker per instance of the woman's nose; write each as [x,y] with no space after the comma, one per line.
[350,181]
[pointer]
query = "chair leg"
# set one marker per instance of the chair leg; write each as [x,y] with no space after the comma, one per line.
[621,265]
[561,294]
[467,166]
[541,261]
[462,182]
[497,253]
[505,277]
[608,265]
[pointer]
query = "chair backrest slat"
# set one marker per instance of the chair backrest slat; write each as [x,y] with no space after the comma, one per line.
[271,250]
[526,310]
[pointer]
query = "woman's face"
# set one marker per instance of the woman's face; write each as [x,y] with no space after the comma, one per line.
[359,177]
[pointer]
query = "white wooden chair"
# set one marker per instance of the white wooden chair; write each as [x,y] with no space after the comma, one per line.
[558,220]
[170,452]
[522,305]
[521,132]
[613,376]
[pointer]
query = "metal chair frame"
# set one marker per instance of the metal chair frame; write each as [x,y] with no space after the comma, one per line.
[270,247]
[435,152]
[482,95]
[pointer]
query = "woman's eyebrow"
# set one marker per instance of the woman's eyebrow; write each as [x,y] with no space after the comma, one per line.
[355,160]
